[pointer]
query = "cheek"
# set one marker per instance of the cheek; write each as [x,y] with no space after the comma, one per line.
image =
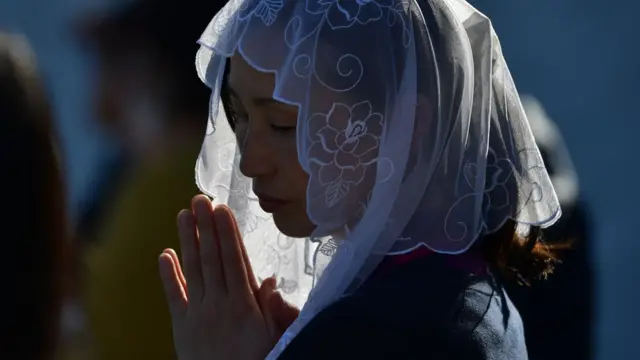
[289,163]
[251,138]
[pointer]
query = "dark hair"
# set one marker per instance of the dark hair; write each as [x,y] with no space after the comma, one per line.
[169,33]
[521,257]
[35,226]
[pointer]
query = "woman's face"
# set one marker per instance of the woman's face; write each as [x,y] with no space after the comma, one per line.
[266,133]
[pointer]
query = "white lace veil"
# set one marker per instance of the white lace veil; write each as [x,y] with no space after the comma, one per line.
[552,145]
[409,126]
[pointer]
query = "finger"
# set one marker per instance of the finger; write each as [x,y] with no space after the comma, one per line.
[176,260]
[263,295]
[190,255]
[176,297]
[235,271]
[251,276]
[210,258]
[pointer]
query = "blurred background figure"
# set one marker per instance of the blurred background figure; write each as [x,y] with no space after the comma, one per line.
[558,312]
[150,101]
[34,224]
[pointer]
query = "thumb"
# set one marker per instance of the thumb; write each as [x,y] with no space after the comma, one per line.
[284,313]
[266,290]
[278,313]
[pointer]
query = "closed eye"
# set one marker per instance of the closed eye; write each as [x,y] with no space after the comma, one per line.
[283,129]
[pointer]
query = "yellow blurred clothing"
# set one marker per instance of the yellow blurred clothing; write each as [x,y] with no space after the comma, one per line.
[125,307]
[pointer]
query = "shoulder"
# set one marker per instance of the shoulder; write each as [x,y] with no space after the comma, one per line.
[487,324]
[421,309]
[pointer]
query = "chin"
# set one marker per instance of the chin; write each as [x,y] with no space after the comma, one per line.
[293,226]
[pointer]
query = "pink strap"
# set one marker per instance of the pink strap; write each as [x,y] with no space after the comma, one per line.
[468,262]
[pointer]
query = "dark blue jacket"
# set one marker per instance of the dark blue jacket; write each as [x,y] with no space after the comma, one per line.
[424,309]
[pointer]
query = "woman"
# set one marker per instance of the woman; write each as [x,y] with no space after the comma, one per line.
[389,133]
[35,225]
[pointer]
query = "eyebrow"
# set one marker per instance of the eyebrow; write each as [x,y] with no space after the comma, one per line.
[259,101]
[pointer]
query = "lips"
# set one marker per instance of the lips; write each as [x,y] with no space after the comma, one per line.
[270,204]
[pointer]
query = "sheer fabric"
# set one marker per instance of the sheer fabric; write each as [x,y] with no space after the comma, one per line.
[409,126]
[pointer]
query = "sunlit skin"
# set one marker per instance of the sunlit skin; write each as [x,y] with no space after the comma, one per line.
[217,306]
[266,133]
[216,303]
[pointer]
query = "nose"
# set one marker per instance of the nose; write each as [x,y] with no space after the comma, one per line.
[256,155]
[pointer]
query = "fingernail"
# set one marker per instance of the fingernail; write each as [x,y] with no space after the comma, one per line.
[184,218]
[183,213]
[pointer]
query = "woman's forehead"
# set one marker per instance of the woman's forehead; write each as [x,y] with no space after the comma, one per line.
[246,81]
